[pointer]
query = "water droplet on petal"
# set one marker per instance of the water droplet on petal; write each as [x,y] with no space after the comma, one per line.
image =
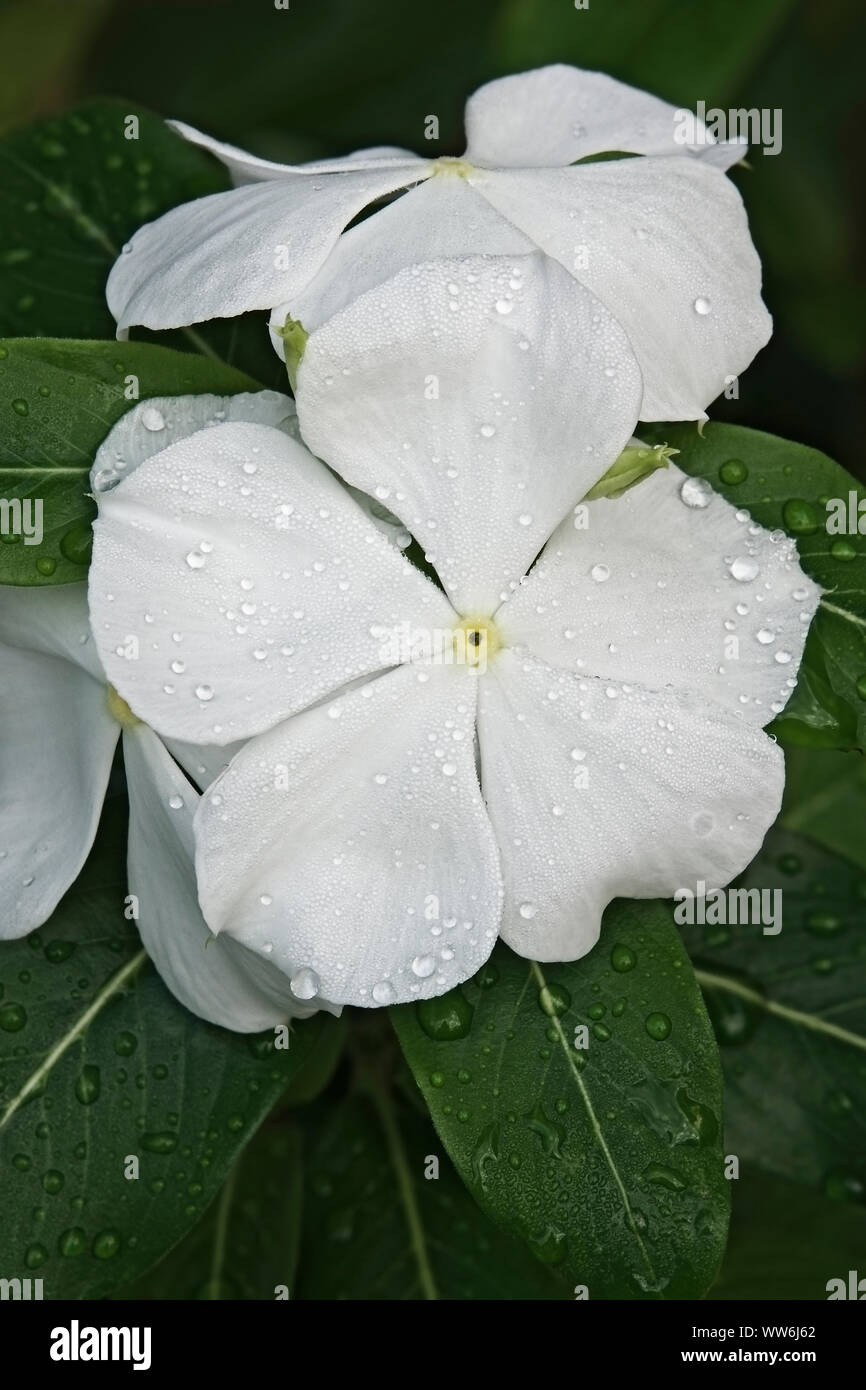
[743,570]
[304,984]
[696,492]
[153,419]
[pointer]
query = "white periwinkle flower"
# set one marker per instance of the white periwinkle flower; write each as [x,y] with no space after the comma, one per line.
[533,741]
[59,725]
[661,239]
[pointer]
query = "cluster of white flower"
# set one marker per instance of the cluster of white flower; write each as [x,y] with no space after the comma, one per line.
[338,819]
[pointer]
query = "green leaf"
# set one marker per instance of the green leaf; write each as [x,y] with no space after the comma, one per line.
[101,1064]
[246,1244]
[786,1243]
[606,1160]
[75,189]
[790,1015]
[58,400]
[825,798]
[786,486]
[375,1228]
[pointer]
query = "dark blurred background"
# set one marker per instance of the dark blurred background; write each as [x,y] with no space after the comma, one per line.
[324,77]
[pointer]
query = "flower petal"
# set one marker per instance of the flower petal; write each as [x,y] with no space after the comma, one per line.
[558,114]
[669,585]
[207,974]
[249,168]
[356,852]
[234,581]
[599,791]
[51,620]
[457,393]
[249,248]
[665,245]
[203,763]
[153,424]
[440,218]
[57,742]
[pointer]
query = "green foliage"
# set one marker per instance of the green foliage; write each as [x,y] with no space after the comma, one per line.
[58,400]
[246,1244]
[606,1159]
[100,1066]
[382,1222]
[787,1243]
[789,1012]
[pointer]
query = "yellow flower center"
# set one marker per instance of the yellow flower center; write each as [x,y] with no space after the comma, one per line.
[448,164]
[476,641]
[119,709]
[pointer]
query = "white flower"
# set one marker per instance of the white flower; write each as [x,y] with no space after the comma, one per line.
[360,840]
[661,239]
[59,726]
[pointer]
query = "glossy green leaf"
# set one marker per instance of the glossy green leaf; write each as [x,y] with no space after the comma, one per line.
[789,1010]
[786,486]
[58,400]
[377,1228]
[788,1244]
[825,798]
[606,1159]
[246,1244]
[101,1066]
[76,187]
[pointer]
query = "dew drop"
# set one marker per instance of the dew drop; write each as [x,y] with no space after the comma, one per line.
[658,1026]
[88,1085]
[623,959]
[733,471]
[843,550]
[153,419]
[447,1018]
[800,517]
[696,492]
[744,570]
[553,1000]
[304,984]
